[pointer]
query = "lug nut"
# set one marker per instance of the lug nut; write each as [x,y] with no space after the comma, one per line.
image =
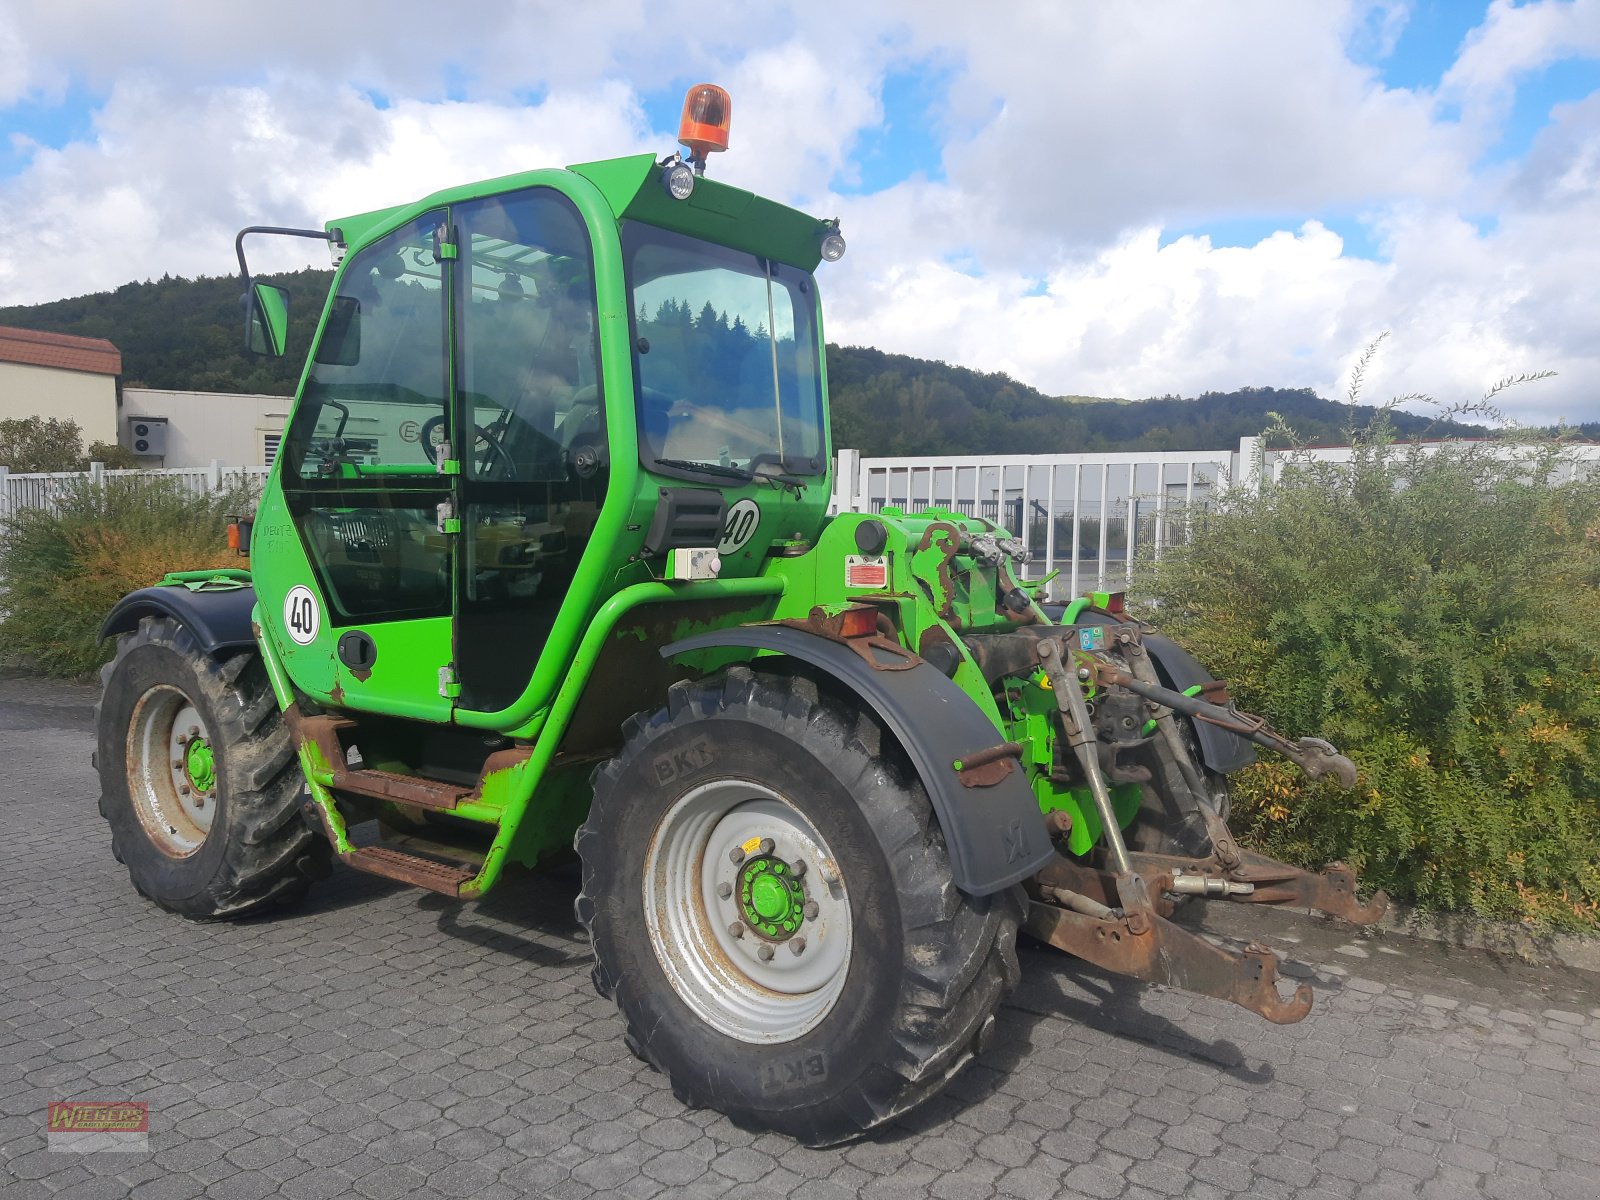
[797,946]
[182,739]
[799,868]
[764,952]
[177,762]
[830,873]
[811,910]
[724,890]
[194,731]
[766,846]
[183,789]
[736,855]
[737,929]
[199,801]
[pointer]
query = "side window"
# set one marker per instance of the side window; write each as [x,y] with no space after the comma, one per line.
[358,473]
[376,396]
[529,346]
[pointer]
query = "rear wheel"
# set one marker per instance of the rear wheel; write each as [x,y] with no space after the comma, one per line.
[198,778]
[770,903]
[1169,820]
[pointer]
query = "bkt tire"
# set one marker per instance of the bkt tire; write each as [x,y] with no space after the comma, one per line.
[198,778]
[1169,822]
[770,904]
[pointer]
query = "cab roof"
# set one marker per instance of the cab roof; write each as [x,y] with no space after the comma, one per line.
[631,186]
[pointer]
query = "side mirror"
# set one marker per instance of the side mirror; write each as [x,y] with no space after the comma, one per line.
[266,329]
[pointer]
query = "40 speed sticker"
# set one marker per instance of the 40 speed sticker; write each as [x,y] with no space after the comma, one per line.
[743,518]
[301,617]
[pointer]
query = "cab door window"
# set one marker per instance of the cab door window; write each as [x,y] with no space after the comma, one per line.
[532,431]
[358,470]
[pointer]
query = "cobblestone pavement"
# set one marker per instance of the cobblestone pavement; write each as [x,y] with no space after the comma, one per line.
[380,1042]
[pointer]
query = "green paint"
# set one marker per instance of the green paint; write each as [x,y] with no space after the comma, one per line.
[199,765]
[771,899]
[220,579]
[1149,726]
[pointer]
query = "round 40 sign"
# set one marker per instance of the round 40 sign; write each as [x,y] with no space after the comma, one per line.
[301,617]
[743,518]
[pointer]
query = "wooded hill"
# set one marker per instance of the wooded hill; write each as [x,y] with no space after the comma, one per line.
[186,334]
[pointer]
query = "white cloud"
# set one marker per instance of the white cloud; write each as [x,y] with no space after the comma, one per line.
[1073,135]
[1516,38]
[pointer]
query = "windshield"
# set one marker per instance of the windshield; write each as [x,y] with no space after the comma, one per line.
[725,355]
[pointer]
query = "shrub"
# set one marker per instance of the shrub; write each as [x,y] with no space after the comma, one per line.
[1437,616]
[63,568]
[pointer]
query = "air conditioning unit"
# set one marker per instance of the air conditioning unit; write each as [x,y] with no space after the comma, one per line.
[147,435]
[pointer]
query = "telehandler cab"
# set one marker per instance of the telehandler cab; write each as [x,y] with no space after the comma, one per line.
[544,561]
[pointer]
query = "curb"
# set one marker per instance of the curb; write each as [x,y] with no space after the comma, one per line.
[1507,938]
[1502,939]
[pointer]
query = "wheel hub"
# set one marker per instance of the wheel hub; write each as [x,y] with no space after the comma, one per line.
[771,899]
[199,765]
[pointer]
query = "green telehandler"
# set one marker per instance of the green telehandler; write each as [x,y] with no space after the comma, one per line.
[544,561]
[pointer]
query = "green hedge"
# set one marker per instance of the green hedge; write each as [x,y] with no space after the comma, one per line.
[62,569]
[1436,615]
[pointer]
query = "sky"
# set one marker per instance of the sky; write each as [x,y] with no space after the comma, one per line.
[1126,200]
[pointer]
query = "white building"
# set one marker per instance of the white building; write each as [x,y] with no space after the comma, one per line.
[192,429]
[61,376]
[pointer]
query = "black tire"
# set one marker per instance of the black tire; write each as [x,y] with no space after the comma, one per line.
[1169,821]
[257,853]
[927,965]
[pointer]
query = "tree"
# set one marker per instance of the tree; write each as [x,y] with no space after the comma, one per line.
[29,444]
[40,444]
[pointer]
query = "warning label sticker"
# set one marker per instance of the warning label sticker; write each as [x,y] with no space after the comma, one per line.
[866,571]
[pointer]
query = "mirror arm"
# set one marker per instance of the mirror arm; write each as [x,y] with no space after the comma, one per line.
[333,236]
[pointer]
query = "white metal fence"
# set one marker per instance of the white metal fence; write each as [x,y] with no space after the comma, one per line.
[1088,516]
[19,491]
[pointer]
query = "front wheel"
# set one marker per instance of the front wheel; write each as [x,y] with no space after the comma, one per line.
[198,778]
[770,904]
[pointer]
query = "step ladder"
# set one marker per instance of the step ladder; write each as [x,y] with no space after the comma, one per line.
[433,871]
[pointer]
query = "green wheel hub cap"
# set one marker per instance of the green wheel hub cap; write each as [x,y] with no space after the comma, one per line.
[199,765]
[771,899]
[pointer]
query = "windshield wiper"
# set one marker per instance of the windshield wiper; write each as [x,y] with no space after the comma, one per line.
[684,464]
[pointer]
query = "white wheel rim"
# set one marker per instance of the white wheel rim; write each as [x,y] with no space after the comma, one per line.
[729,980]
[175,813]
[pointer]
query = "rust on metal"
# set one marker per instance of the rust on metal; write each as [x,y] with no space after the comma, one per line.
[987,767]
[444,878]
[402,789]
[944,602]
[1158,951]
[881,649]
[1331,891]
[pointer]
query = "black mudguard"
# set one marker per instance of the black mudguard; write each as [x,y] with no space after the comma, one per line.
[1222,751]
[995,835]
[219,620]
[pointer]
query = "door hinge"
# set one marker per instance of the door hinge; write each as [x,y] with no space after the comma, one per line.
[445,461]
[443,247]
[448,521]
[449,686]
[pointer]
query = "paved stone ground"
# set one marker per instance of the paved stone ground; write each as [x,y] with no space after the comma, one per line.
[382,1043]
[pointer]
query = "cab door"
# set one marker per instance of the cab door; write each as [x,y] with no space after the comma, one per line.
[532,438]
[364,612]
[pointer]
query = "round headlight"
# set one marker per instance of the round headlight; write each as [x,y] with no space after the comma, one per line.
[679,181]
[832,246]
